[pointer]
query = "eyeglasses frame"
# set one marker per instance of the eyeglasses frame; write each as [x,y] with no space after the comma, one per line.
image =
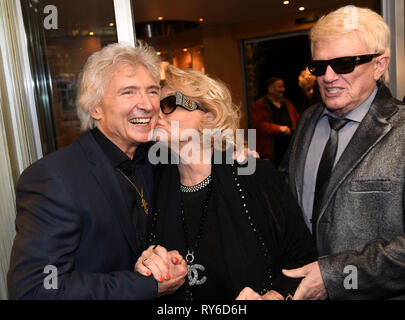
[358,60]
[182,101]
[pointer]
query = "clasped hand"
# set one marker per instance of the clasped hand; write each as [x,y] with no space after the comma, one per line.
[311,286]
[167,267]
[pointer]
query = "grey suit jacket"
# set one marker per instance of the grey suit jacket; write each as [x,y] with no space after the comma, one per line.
[360,228]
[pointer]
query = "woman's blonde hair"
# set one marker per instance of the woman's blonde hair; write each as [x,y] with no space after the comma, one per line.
[211,94]
[99,68]
[370,26]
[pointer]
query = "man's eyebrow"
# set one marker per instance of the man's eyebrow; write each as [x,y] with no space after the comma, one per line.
[138,88]
[128,88]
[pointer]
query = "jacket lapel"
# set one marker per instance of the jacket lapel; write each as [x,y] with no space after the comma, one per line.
[108,183]
[374,127]
[304,133]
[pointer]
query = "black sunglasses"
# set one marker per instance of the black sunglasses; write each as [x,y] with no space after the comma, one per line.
[170,102]
[341,65]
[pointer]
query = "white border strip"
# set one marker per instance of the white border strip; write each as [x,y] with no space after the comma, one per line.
[27,79]
[400,47]
[124,21]
[393,13]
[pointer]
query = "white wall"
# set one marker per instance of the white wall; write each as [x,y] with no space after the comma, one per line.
[393,13]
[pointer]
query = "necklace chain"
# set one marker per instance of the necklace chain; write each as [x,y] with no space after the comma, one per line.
[144,203]
[192,267]
[192,250]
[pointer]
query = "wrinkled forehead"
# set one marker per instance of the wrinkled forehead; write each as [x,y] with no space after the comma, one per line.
[129,74]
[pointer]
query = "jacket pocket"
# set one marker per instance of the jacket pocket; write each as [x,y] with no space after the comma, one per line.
[367,186]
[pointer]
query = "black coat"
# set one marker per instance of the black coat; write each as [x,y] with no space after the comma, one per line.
[72,215]
[261,225]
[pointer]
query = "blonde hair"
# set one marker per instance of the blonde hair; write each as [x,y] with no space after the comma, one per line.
[212,95]
[97,72]
[369,25]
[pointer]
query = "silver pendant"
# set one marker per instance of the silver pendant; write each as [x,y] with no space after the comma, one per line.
[193,275]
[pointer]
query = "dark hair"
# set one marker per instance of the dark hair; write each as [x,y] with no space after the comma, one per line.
[271,80]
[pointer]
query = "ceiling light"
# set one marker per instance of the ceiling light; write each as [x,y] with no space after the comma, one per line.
[91,33]
[201,20]
[160,18]
[158,53]
[111,24]
[286,2]
[301,8]
[185,49]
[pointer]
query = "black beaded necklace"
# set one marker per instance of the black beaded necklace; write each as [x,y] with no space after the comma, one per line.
[193,276]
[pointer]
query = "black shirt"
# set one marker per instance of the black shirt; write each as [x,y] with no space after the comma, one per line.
[133,171]
[209,252]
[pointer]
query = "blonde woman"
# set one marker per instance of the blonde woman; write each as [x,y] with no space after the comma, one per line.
[233,231]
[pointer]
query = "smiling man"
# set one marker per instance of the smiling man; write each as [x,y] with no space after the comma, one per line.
[346,163]
[83,211]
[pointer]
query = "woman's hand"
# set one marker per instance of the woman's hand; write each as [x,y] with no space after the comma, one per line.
[167,267]
[250,294]
[156,261]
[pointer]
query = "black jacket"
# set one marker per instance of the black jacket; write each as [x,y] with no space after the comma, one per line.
[72,215]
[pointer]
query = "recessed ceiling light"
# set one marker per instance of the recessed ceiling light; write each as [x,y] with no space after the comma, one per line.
[160,18]
[286,2]
[301,8]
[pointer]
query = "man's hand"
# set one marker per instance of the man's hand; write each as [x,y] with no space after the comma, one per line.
[285,130]
[312,286]
[168,268]
[241,155]
[249,294]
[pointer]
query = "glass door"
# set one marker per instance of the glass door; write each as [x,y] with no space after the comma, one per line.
[61,35]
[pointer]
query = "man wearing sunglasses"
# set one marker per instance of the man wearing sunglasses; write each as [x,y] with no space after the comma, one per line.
[346,164]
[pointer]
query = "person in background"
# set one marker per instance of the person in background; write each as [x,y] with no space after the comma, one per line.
[235,231]
[274,117]
[346,163]
[83,212]
[309,93]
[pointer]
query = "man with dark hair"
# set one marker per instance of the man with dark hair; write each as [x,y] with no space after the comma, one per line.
[274,117]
